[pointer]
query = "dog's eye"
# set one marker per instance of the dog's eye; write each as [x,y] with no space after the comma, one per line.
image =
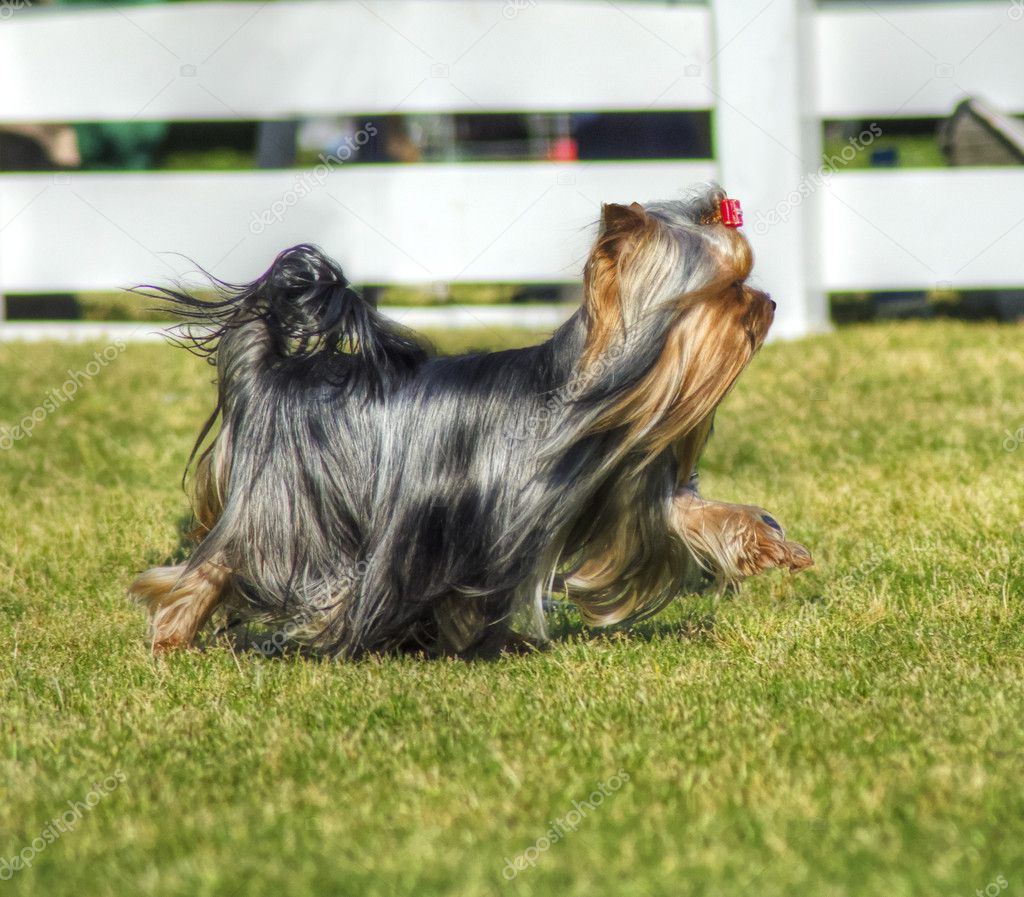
[740,292]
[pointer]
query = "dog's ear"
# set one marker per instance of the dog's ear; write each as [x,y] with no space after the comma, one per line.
[622,227]
[621,219]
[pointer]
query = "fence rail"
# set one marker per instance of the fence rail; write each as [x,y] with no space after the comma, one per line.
[769,73]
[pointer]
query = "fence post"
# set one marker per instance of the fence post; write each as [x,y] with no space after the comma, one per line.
[3,224]
[768,146]
[3,298]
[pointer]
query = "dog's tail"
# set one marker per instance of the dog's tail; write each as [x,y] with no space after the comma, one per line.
[302,308]
[291,348]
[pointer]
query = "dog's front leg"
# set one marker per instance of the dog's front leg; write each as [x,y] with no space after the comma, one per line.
[733,541]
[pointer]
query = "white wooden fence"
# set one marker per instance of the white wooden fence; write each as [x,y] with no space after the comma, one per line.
[770,71]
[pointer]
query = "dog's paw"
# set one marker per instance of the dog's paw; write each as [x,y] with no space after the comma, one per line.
[733,542]
[765,547]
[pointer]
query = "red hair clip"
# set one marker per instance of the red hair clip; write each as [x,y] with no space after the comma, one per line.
[732,214]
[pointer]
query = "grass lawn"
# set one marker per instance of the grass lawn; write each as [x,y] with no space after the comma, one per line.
[858,729]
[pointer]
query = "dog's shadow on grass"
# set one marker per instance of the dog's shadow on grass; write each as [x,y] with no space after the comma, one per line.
[694,619]
[564,624]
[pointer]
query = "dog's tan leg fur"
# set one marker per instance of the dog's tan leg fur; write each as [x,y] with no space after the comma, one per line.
[734,541]
[179,603]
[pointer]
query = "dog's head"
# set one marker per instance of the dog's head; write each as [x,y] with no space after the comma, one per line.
[667,283]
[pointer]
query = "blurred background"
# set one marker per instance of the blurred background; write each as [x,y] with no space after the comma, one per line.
[452,155]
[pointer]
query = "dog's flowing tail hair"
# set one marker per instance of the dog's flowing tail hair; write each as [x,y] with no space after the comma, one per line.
[300,326]
[303,306]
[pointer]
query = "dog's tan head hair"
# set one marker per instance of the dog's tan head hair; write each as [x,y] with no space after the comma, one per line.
[674,270]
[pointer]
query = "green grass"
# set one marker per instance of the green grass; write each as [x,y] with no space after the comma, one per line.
[858,729]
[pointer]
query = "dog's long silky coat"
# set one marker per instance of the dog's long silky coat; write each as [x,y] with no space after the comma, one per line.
[379,498]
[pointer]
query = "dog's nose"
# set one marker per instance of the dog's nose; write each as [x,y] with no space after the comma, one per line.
[772,301]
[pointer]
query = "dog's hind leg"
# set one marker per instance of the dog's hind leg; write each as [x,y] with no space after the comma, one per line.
[485,626]
[179,601]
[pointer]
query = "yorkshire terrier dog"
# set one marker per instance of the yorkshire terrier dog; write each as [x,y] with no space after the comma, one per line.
[374,498]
